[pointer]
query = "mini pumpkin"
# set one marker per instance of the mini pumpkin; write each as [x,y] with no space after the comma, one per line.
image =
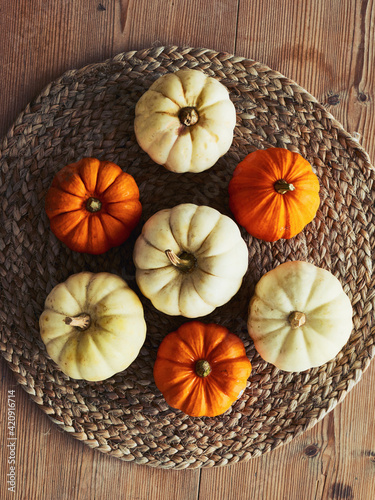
[189,260]
[92,325]
[93,205]
[299,317]
[201,369]
[274,194]
[185,121]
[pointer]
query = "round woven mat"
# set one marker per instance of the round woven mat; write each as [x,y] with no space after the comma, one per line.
[90,112]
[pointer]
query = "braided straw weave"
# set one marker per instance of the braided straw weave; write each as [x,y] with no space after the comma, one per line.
[90,112]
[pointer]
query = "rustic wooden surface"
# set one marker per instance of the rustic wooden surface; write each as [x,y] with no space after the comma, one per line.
[327,46]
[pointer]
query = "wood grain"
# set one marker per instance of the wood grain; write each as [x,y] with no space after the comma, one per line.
[41,40]
[328,48]
[196,23]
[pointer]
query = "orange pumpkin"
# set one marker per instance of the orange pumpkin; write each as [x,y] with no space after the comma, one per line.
[93,205]
[274,194]
[201,369]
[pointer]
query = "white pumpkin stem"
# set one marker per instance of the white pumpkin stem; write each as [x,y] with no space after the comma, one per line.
[82,321]
[203,368]
[297,319]
[185,263]
[188,116]
[282,186]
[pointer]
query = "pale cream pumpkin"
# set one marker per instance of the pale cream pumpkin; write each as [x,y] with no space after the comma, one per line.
[185,121]
[299,317]
[189,260]
[93,325]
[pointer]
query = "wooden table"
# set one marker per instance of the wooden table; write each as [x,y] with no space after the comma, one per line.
[327,47]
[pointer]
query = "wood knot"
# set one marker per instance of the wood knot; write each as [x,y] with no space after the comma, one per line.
[311,450]
[333,99]
[341,491]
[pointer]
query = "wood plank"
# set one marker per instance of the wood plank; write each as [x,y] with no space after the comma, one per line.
[71,36]
[360,105]
[41,40]
[200,23]
[326,47]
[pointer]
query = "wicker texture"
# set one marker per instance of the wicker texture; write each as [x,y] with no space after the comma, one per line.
[90,112]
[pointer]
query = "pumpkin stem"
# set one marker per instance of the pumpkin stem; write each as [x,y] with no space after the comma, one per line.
[93,205]
[297,319]
[202,368]
[185,262]
[282,186]
[188,116]
[82,321]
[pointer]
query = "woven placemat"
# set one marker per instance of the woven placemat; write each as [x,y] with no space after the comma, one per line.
[90,112]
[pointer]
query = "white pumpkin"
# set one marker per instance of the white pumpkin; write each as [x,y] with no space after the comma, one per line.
[93,325]
[299,317]
[189,260]
[185,121]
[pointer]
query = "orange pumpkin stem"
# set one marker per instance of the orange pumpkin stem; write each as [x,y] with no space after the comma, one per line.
[282,186]
[93,205]
[82,322]
[202,368]
[185,262]
[188,116]
[297,319]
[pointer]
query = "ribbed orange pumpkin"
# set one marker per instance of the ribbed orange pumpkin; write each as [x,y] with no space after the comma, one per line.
[274,194]
[201,369]
[93,205]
